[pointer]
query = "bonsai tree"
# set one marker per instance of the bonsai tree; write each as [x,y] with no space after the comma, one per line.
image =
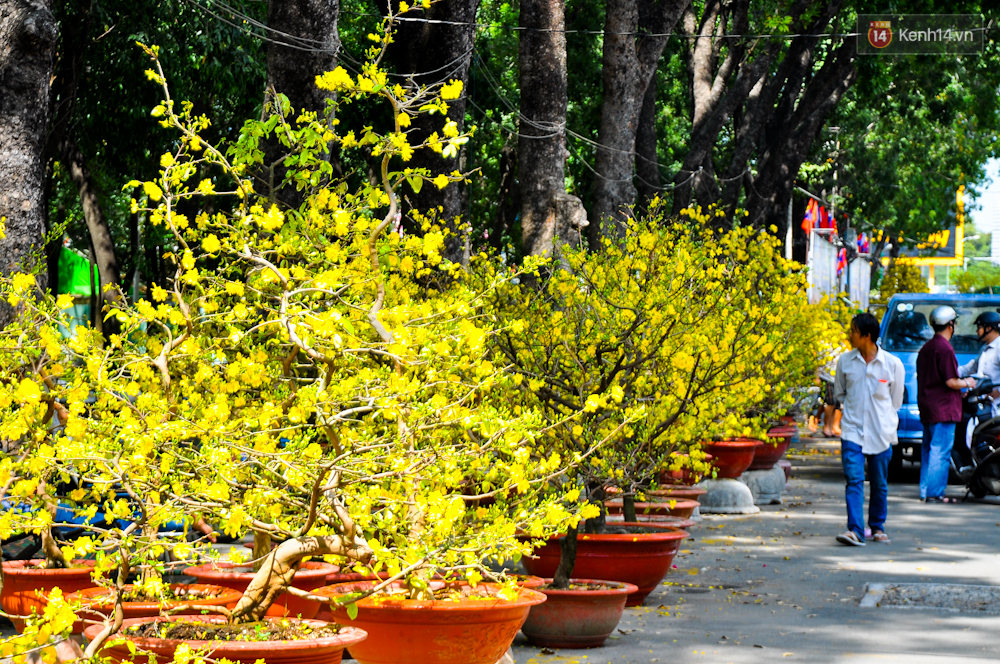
[675,329]
[311,375]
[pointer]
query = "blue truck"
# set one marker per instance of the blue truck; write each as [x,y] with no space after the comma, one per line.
[904,330]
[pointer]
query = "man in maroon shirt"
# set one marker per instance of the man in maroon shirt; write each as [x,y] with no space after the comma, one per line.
[939,399]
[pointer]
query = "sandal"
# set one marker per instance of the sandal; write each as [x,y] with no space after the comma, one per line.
[879,536]
[850,538]
[947,500]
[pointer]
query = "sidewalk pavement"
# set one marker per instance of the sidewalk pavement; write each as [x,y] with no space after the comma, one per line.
[776,586]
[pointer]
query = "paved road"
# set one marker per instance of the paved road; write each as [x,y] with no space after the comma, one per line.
[777,587]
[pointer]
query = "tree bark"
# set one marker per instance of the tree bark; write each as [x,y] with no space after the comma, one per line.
[647,166]
[304,43]
[548,214]
[508,196]
[426,53]
[567,560]
[769,106]
[28,33]
[109,288]
[629,61]
[718,89]
[788,145]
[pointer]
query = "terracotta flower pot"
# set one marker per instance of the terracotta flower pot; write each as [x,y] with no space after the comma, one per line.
[658,519]
[732,456]
[577,617]
[678,507]
[26,585]
[311,575]
[674,492]
[641,558]
[768,453]
[345,577]
[100,602]
[684,476]
[326,650]
[402,631]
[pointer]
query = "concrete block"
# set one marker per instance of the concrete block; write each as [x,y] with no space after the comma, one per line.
[726,496]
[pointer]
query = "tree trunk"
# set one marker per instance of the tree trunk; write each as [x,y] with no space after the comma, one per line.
[508,196]
[788,146]
[628,66]
[628,508]
[426,53]
[567,560]
[28,33]
[304,44]
[109,288]
[647,166]
[548,214]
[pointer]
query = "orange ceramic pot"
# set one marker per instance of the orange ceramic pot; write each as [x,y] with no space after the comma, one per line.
[326,650]
[99,603]
[732,456]
[578,617]
[678,507]
[26,585]
[403,631]
[642,558]
[311,575]
[675,492]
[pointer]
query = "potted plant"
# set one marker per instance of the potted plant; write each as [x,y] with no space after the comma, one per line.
[344,408]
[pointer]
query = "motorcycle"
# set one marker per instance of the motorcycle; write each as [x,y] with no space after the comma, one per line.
[975,456]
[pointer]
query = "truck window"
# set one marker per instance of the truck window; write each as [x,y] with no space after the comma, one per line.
[909,327]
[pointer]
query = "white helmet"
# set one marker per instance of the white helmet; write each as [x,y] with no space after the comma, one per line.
[942,315]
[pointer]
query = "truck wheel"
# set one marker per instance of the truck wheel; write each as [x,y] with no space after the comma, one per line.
[895,472]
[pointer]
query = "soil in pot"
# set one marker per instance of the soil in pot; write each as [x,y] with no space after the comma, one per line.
[100,601]
[27,583]
[460,628]
[582,616]
[311,575]
[732,456]
[678,507]
[636,553]
[273,640]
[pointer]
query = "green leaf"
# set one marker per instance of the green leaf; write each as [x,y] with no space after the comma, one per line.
[416,183]
[352,610]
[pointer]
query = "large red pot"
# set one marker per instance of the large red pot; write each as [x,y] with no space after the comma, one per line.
[768,453]
[403,631]
[26,585]
[99,602]
[658,519]
[684,476]
[326,650]
[675,492]
[311,575]
[678,507]
[642,558]
[732,456]
[577,617]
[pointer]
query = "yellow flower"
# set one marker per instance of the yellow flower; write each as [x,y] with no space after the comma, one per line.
[441,181]
[211,244]
[451,90]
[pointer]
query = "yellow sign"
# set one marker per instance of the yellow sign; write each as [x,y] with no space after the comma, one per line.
[948,244]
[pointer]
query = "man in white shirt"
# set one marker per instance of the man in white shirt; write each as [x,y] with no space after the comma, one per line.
[988,361]
[869,384]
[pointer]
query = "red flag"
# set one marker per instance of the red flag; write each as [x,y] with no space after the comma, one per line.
[811,216]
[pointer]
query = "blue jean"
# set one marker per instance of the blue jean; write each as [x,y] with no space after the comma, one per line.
[935,458]
[878,502]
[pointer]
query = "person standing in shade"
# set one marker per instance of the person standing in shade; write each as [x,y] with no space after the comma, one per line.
[939,398]
[869,384]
